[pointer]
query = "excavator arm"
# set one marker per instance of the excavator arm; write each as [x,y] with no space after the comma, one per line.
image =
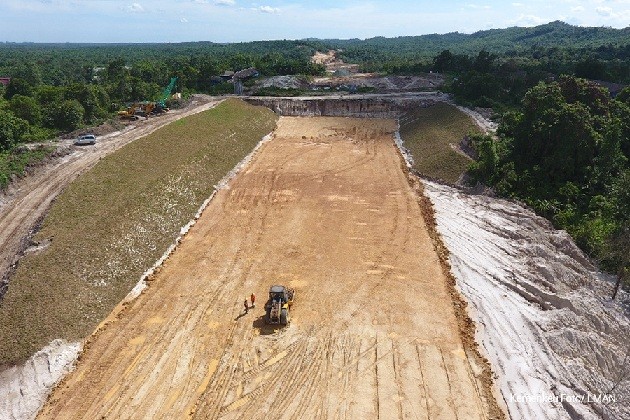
[166,92]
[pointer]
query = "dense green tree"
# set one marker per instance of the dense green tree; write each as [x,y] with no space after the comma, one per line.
[26,108]
[29,71]
[88,74]
[555,139]
[624,95]
[66,115]
[484,61]
[590,68]
[443,61]
[12,129]
[49,95]
[565,154]
[116,70]
[18,86]
[208,69]
[480,89]
[142,91]
[150,71]
[619,241]
[240,61]
[93,99]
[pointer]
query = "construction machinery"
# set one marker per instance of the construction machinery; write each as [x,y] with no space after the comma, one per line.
[160,104]
[144,109]
[279,304]
[129,113]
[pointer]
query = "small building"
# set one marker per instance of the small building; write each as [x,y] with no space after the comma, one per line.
[227,75]
[613,88]
[246,74]
[242,75]
[216,80]
[5,81]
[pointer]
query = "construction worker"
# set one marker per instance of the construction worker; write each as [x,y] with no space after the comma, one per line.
[253,299]
[246,306]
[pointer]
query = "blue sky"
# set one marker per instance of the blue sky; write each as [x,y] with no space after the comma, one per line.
[240,20]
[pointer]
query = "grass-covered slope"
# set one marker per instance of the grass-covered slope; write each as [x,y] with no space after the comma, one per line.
[116,220]
[428,133]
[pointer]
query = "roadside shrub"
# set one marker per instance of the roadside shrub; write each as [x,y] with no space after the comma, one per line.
[12,129]
[66,115]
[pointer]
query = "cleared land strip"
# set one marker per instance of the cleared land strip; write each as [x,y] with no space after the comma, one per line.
[112,224]
[20,212]
[325,207]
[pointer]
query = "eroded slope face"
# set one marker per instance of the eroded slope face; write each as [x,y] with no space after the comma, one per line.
[326,208]
[557,343]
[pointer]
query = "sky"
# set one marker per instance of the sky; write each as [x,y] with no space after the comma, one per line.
[112,21]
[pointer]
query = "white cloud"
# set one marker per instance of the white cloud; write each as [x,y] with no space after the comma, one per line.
[604,11]
[529,20]
[183,20]
[29,20]
[38,6]
[477,6]
[615,16]
[135,8]
[268,9]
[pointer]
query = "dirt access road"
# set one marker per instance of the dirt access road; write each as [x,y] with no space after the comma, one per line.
[29,200]
[324,207]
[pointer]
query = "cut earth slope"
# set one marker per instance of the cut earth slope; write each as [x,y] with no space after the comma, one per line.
[325,207]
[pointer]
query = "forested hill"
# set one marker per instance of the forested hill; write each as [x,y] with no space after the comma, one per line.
[556,47]
[511,40]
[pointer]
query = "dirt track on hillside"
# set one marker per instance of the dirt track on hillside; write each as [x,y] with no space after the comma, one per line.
[324,207]
[29,200]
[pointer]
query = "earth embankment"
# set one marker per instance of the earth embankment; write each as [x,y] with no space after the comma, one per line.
[28,200]
[366,106]
[557,343]
[325,207]
[114,221]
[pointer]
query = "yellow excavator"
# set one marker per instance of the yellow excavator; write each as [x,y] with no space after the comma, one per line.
[144,109]
[129,113]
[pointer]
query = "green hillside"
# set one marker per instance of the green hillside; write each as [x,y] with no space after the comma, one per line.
[553,41]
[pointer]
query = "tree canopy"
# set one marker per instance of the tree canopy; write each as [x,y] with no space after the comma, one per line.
[566,153]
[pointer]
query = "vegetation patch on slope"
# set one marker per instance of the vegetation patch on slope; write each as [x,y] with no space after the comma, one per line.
[15,162]
[116,220]
[430,134]
[566,153]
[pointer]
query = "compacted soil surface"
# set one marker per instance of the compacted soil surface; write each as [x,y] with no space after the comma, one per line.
[325,207]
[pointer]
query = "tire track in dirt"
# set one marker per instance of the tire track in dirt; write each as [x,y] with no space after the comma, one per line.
[324,207]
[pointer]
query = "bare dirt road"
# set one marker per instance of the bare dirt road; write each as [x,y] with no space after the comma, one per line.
[29,200]
[324,207]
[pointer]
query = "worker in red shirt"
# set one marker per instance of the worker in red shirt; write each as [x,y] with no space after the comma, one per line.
[253,299]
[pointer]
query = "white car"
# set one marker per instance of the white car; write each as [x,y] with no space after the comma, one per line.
[85,139]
